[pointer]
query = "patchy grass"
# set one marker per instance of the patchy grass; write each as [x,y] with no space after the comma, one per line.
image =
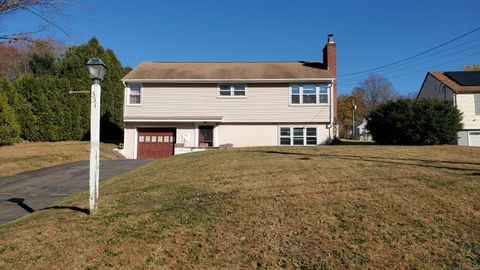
[26,156]
[329,207]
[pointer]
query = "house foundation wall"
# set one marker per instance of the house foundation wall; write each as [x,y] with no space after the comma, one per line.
[238,135]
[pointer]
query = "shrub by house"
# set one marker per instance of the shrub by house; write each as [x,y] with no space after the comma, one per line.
[415,122]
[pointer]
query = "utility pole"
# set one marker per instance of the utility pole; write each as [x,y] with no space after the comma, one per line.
[354,107]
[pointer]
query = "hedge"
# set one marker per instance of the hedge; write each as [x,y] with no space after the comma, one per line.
[9,127]
[415,122]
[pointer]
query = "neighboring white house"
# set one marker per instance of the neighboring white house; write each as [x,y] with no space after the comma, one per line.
[363,132]
[463,89]
[176,107]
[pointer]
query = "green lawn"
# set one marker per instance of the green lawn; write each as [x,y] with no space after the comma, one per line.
[326,207]
[26,156]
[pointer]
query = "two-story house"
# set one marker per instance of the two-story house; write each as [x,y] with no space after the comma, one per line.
[175,107]
[463,89]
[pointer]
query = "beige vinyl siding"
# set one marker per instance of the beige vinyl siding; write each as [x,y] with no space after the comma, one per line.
[466,104]
[263,103]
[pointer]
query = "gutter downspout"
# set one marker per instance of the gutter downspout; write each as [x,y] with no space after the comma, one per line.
[330,125]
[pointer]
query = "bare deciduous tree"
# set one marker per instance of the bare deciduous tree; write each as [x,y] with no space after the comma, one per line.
[376,89]
[10,61]
[472,68]
[45,10]
[15,58]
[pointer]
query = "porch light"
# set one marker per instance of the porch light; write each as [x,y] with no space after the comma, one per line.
[96,68]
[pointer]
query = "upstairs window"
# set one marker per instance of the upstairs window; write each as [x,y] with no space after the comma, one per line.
[323,94]
[295,94]
[309,93]
[231,90]
[135,94]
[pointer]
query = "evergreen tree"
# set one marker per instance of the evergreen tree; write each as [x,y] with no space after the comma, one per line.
[9,127]
[73,68]
[57,113]
[48,112]
[415,122]
[28,121]
[42,64]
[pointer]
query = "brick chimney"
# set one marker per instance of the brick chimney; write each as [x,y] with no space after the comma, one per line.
[330,61]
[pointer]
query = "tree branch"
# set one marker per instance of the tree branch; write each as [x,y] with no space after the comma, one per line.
[46,20]
[37,8]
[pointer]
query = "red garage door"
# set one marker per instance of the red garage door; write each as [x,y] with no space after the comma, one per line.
[155,143]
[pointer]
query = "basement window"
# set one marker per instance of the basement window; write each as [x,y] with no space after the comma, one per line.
[298,135]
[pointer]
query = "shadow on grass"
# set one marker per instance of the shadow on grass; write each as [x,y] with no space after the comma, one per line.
[21,203]
[385,160]
[353,142]
[73,208]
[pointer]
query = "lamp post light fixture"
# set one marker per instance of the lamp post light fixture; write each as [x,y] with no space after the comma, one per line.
[97,70]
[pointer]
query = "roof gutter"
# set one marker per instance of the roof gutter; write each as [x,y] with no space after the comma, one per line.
[284,80]
[172,120]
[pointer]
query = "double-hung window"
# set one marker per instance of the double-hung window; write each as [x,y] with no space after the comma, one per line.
[298,135]
[295,94]
[135,94]
[322,94]
[231,90]
[477,104]
[311,136]
[309,93]
[285,136]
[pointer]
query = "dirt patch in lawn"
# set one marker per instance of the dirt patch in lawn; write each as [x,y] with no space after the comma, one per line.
[333,207]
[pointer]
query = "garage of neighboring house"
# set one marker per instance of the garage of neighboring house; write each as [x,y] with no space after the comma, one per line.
[155,143]
[474,138]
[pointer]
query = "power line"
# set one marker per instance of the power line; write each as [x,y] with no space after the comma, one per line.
[421,70]
[417,64]
[456,47]
[441,64]
[411,57]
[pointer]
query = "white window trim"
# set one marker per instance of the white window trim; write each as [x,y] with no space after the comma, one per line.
[128,95]
[231,91]
[291,127]
[317,94]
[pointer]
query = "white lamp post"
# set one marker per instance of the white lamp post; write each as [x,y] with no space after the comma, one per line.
[97,69]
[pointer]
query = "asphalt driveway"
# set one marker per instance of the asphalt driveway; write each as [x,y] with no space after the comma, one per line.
[30,191]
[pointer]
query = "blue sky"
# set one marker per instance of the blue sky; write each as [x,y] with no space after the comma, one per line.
[368,33]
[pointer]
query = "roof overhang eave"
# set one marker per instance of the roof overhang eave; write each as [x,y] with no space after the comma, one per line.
[280,80]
